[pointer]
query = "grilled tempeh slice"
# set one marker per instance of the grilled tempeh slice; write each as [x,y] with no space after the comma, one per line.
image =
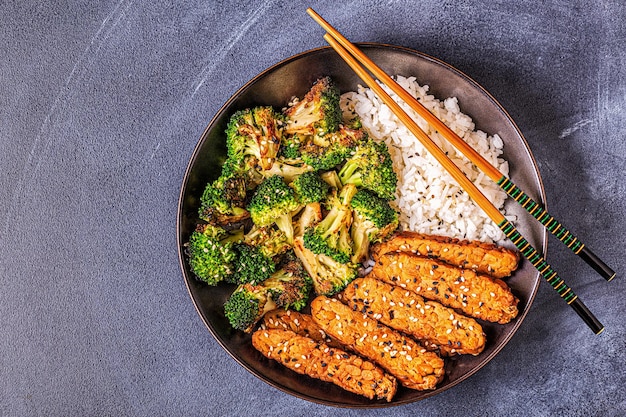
[299,323]
[475,295]
[437,326]
[485,258]
[403,357]
[317,360]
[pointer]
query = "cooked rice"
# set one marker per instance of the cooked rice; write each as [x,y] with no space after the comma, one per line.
[429,199]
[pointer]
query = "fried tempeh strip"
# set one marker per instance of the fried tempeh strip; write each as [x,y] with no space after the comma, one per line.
[401,356]
[317,360]
[299,323]
[437,326]
[475,295]
[485,258]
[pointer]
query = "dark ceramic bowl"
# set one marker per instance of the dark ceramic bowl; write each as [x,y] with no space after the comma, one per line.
[293,77]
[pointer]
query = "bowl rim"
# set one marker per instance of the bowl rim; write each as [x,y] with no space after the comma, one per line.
[194,155]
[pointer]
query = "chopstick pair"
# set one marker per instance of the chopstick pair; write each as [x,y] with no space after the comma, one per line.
[352,56]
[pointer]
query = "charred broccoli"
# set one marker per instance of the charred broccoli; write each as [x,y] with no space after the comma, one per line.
[371,167]
[328,275]
[223,201]
[252,265]
[255,132]
[270,240]
[287,169]
[258,254]
[373,220]
[274,201]
[331,236]
[328,151]
[288,287]
[318,113]
[310,188]
[211,252]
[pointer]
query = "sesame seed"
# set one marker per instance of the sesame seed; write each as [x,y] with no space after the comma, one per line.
[409,358]
[492,294]
[448,331]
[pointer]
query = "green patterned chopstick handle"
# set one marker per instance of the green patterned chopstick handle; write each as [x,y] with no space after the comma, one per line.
[537,260]
[556,228]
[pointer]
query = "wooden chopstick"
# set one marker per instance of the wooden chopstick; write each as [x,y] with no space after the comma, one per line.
[532,207]
[509,229]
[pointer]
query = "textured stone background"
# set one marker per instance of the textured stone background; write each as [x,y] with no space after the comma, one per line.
[101,105]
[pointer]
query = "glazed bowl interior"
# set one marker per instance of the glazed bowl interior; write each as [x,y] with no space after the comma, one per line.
[293,77]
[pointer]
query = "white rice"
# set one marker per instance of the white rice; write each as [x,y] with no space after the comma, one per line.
[428,198]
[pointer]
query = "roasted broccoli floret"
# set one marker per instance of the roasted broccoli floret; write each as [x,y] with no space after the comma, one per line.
[373,219]
[328,151]
[310,188]
[252,265]
[371,167]
[331,236]
[270,240]
[308,217]
[287,169]
[258,254]
[317,113]
[290,284]
[224,200]
[255,132]
[246,305]
[211,252]
[328,275]
[290,147]
[288,287]
[274,202]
